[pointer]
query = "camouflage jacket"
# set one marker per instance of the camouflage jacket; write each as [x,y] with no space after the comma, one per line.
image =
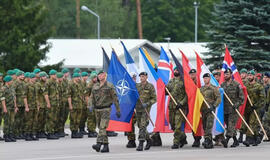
[103,96]
[211,95]
[8,94]
[76,94]
[20,89]
[147,95]
[32,95]
[235,93]
[256,95]
[53,91]
[89,88]
[177,89]
[42,90]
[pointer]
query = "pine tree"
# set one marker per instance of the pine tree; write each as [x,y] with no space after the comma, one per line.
[23,42]
[244,25]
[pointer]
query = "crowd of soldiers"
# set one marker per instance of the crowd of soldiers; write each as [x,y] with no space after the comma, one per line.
[36,105]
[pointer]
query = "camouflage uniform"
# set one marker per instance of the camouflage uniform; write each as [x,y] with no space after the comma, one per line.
[42,90]
[266,118]
[177,89]
[212,96]
[91,118]
[147,95]
[1,110]
[102,97]
[236,95]
[84,107]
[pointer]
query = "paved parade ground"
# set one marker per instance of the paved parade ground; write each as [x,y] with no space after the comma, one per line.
[76,149]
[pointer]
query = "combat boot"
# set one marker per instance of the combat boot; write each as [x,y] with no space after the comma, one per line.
[2,139]
[92,134]
[96,146]
[140,147]
[240,139]
[7,139]
[42,135]
[235,142]
[131,144]
[148,144]
[28,138]
[61,134]
[111,134]
[52,136]
[34,137]
[256,140]
[248,141]
[175,146]
[156,140]
[105,148]
[196,142]
[226,141]
[74,134]
[208,143]
[79,135]
[82,131]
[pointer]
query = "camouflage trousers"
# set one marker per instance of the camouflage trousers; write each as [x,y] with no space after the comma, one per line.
[266,122]
[253,123]
[83,117]
[131,135]
[176,119]
[19,121]
[91,121]
[75,117]
[207,121]
[9,122]
[31,121]
[142,122]
[102,119]
[62,116]
[231,120]
[51,118]
[1,115]
[41,119]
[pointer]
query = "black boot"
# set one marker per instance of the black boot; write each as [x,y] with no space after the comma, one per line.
[175,146]
[42,135]
[196,142]
[156,140]
[225,141]
[256,140]
[140,147]
[96,146]
[111,134]
[12,138]
[148,144]
[131,144]
[2,139]
[74,134]
[240,139]
[34,137]
[208,143]
[61,134]
[235,141]
[28,138]
[92,134]
[248,141]
[105,148]
[82,131]
[51,136]
[7,139]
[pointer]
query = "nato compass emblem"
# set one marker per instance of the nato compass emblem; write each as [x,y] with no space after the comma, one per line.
[122,87]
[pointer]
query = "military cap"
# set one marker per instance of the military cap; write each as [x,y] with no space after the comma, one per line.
[52,72]
[10,72]
[27,74]
[216,73]
[251,72]
[7,78]
[267,74]
[192,71]
[36,70]
[206,75]
[59,75]
[65,70]
[101,71]
[243,70]
[143,74]
[76,75]
[84,74]
[42,74]
[76,70]
[19,73]
[1,74]
[32,75]
[93,74]
[228,70]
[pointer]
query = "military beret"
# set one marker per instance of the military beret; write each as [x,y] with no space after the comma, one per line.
[7,78]
[84,74]
[93,74]
[19,73]
[133,74]
[59,75]
[216,73]
[42,74]
[101,71]
[27,74]
[192,71]
[32,75]
[36,70]
[52,72]
[228,70]
[10,72]
[243,70]
[175,68]
[75,75]
[76,70]
[251,72]
[16,70]
[143,74]
[267,74]
[65,70]
[1,74]
[206,75]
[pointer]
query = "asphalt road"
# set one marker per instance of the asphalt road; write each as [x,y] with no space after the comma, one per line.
[80,149]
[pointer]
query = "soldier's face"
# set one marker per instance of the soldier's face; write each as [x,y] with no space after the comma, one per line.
[85,78]
[101,76]
[227,76]
[134,78]
[217,77]
[265,79]
[94,79]
[60,79]
[53,76]
[243,75]
[193,76]
[250,77]
[206,80]
[143,78]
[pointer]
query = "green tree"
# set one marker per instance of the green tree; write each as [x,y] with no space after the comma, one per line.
[244,26]
[23,42]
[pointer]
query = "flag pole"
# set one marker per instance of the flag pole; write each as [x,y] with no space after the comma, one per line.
[258,118]
[148,115]
[181,111]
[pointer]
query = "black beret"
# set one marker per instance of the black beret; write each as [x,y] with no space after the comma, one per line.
[228,70]
[216,73]
[143,73]
[267,74]
[192,71]
[206,75]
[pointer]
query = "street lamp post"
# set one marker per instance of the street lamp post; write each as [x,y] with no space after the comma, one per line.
[84,8]
[168,39]
[196,6]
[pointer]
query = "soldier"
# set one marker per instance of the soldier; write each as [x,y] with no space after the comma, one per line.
[147,98]
[103,95]
[212,96]
[177,89]
[85,101]
[217,75]
[257,96]
[8,100]
[65,104]
[235,93]
[91,118]
[266,118]
[266,84]
[42,103]
[75,100]
[244,75]
[1,110]
[31,115]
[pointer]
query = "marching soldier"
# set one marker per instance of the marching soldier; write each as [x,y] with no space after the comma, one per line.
[65,71]
[85,100]
[266,118]
[1,110]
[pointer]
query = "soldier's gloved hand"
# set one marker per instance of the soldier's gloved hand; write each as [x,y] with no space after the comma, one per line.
[118,114]
[91,108]
[234,107]
[179,106]
[212,108]
[144,105]
[253,107]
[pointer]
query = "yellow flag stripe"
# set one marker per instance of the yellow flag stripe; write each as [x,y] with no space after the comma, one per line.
[197,110]
[149,57]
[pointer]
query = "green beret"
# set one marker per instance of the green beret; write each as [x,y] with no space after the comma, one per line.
[32,75]
[42,74]
[76,75]
[27,74]
[16,70]
[52,72]
[65,70]
[1,74]
[37,70]
[101,71]
[10,72]
[175,68]
[19,73]
[7,78]
[59,75]
[76,70]
[243,70]
[251,72]
[93,74]
[84,74]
